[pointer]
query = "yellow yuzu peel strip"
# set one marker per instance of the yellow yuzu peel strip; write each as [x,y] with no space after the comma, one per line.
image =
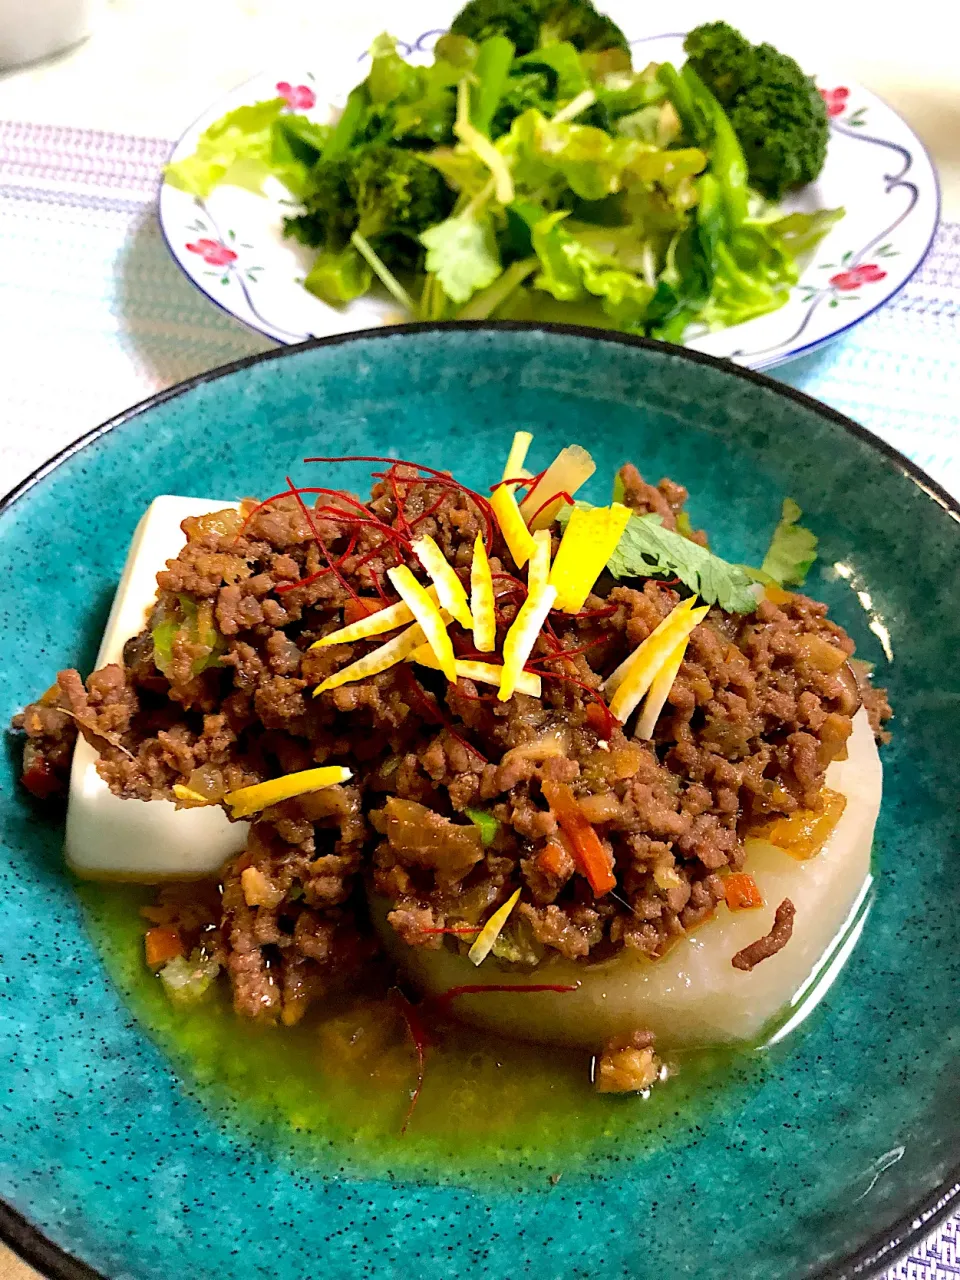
[522,636]
[450,593]
[428,616]
[660,690]
[262,794]
[480,672]
[482,601]
[615,679]
[381,659]
[515,532]
[647,661]
[492,930]
[538,570]
[395,615]
[588,542]
[517,456]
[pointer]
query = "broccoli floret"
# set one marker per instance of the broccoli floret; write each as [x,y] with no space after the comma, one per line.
[395,192]
[578,22]
[527,86]
[386,193]
[531,23]
[775,109]
[518,20]
[781,121]
[330,211]
[724,60]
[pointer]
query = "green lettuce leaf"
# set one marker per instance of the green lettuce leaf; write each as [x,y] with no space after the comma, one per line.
[648,550]
[239,149]
[792,549]
[462,254]
[570,270]
[587,160]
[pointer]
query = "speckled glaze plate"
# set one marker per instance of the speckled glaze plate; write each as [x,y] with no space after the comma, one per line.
[231,245]
[123,1155]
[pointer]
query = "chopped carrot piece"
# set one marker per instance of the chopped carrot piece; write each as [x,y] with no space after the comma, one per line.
[594,860]
[355,610]
[160,945]
[741,892]
[551,858]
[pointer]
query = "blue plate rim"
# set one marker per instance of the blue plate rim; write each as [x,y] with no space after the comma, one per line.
[872,1260]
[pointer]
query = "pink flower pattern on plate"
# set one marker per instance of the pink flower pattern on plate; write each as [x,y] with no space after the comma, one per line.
[213,252]
[299,97]
[836,100]
[867,273]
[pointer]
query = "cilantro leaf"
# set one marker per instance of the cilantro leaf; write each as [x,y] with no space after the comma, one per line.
[647,550]
[792,549]
[462,254]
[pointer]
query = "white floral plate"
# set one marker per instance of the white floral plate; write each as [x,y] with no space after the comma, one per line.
[232,248]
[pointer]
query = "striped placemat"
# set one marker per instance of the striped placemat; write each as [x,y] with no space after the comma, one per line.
[94,315]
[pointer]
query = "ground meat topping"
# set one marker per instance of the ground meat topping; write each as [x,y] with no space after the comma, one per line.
[760,707]
[774,941]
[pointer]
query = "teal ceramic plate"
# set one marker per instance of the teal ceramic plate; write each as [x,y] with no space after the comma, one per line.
[143,1148]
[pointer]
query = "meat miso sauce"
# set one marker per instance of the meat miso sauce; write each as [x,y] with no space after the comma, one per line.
[429,779]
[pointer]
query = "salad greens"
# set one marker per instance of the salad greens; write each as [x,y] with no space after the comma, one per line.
[646,549]
[529,171]
[792,549]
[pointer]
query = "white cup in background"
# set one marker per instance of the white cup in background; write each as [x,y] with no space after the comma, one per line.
[34,29]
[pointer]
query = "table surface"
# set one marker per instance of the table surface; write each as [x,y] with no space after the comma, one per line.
[150,68]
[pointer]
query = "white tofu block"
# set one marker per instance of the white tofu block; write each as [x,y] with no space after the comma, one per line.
[693,995]
[134,840]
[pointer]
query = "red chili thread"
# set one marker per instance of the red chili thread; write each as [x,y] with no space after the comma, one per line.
[320,573]
[561,493]
[611,720]
[391,478]
[468,746]
[344,517]
[467,928]
[509,577]
[558,654]
[429,511]
[287,494]
[606,612]
[475,696]
[445,998]
[378,585]
[418,1034]
[441,477]
[534,481]
[321,544]
[434,712]
[521,482]
[429,708]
